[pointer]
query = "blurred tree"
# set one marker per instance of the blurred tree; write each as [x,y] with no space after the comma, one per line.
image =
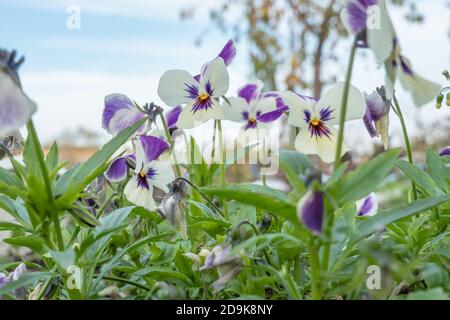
[293,41]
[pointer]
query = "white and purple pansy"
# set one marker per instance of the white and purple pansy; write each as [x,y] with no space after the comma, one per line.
[367,206]
[310,211]
[149,172]
[317,118]
[445,152]
[254,108]
[16,108]
[120,113]
[376,118]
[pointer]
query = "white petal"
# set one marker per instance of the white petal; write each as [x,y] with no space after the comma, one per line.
[297,105]
[164,174]
[188,119]
[15,107]
[233,111]
[381,35]
[140,156]
[422,90]
[216,73]
[265,104]
[172,87]
[139,196]
[324,147]
[356,105]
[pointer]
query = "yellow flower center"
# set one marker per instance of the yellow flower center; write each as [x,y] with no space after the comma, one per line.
[252,119]
[203,96]
[315,122]
[142,174]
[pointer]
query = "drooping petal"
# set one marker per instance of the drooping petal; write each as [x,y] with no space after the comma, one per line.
[152,147]
[215,74]
[234,111]
[445,152]
[380,33]
[228,52]
[324,147]
[189,119]
[139,195]
[172,116]
[368,122]
[310,210]
[251,91]
[421,89]
[270,116]
[297,105]
[177,87]
[356,106]
[367,206]
[120,113]
[118,169]
[163,174]
[15,107]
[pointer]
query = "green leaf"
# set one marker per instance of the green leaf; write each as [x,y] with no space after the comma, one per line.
[419,177]
[64,259]
[384,218]
[282,241]
[161,273]
[432,294]
[259,196]
[437,170]
[435,275]
[294,165]
[95,165]
[365,179]
[26,280]
[9,226]
[52,158]
[33,242]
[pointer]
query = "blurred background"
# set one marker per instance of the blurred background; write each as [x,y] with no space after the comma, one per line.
[125,46]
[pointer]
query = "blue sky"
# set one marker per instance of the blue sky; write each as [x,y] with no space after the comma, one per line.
[124,46]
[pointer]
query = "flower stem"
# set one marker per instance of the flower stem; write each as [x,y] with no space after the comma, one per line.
[222,165]
[328,232]
[399,113]
[172,145]
[316,284]
[40,156]
[348,77]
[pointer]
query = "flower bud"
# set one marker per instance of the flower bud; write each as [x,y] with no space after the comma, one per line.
[448,99]
[310,211]
[439,100]
[445,151]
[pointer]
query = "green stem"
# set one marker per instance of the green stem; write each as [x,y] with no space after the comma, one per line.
[343,113]
[222,166]
[328,232]
[289,283]
[122,280]
[48,186]
[316,284]
[399,113]
[45,286]
[172,145]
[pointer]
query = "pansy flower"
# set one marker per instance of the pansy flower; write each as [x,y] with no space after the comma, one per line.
[376,118]
[310,211]
[173,207]
[317,118]
[367,206]
[148,171]
[370,19]
[445,152]
[254,108]
[120,113]
[199,93]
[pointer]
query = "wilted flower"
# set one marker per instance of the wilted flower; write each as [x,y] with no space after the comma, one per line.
[445,152]
[367,206]
[310,211]
[228,266]
[316,119]
[254,108]
[15,107]
[200,93]
[12,142]
[21,269]
[120,113]
[173,208]
[376,118]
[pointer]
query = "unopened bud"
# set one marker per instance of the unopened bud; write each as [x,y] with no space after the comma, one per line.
[439,100]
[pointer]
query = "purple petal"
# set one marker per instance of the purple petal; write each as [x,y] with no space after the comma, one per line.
[119,113]
[376,106]
[228,52]
[153,147]
[445,151]
[279,100]
[310,211]
[197,77]
[271,115]
[357,13]
[368,122]
[250,92]
[406,66]
[118,169]
[366,207]
[172,116]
